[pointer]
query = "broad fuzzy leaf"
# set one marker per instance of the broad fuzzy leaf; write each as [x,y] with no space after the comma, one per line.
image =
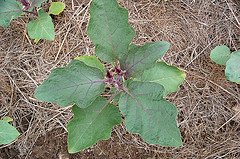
[232,71]
[220,54]
[91,124]
[9,10]
[76,83]
[109,30]
[91,61]
[149,115]
[42,27]
[8,133]
[144,57]
[56,8]
[168,76]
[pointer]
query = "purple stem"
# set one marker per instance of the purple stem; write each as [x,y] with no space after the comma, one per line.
[25,3]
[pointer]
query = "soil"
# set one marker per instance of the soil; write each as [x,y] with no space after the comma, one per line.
[54,145]
[208,104]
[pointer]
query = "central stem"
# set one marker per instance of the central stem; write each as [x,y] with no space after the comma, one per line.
[115,77]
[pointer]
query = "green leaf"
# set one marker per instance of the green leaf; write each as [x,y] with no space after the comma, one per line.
[9,10]
[143,57]
[232,71]
[149,115]
[76,83]
[8,133]
[7,119]
[109,30]
[42,27]
[220,54]
[56,8]
[92,61]
[170,77]
[91,124]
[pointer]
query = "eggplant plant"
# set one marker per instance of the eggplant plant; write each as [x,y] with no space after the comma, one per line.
[41,27]
[131,91]
[223,56]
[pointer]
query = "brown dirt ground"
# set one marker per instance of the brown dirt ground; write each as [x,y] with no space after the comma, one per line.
[208,104]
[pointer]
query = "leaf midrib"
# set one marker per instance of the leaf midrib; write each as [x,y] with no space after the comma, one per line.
[109,32]
[77,85]
[7,12]
[134,64]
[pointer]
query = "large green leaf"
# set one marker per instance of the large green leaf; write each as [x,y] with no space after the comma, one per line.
[168,76]
[9,10]
[8,133]
[92,61]
[149,115]
[144,57]
[56,8]
[76,83]
[42,27]
[91,124]
[109,30]
[232,70]
[220,54]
